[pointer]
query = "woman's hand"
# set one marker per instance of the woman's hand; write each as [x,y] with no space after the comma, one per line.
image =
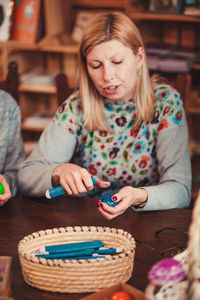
[7,194]
[75,179]
[126,197]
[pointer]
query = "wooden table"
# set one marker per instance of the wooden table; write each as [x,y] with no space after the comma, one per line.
[22,216]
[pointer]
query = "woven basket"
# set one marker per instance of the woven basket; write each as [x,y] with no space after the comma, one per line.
[77,276]
[189,288]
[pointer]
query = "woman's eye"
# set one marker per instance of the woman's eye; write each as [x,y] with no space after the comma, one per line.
[95,67]
[117,62]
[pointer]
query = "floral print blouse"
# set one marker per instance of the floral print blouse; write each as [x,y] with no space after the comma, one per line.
[154,156]
[124,156]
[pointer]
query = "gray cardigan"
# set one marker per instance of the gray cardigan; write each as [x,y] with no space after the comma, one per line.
[11,145]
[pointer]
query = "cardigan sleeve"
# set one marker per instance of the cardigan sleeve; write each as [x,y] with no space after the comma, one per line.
[11,145]
[56,146]
[174,166]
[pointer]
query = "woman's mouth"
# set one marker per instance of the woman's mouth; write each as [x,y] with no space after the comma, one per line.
[111,89]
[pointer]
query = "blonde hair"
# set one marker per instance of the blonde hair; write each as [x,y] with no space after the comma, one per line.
[105,27]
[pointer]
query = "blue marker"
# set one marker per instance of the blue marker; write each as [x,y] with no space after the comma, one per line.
[59,190]
[107,199]
[58,256]
[72,247]
[81,253]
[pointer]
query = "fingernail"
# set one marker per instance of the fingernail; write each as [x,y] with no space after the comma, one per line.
[114,198]
[99,203]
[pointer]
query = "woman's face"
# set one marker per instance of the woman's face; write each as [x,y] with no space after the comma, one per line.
[113,67]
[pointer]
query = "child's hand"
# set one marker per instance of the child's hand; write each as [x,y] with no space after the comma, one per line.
[75,179]
[7,194]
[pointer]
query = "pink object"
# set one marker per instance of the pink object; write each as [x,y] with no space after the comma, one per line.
[166,270]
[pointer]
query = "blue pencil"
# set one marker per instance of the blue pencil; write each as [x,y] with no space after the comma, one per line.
[84,253]
[56,256]
[59,190]
[72,247]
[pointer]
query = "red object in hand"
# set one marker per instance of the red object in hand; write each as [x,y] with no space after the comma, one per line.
[120,296]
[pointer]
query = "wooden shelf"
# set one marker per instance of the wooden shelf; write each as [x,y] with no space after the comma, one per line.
[57,52]
[67,49]
[99,3]
[42,89]
[32,128]
[194,110]
[163,17]
[71,48]
[196,66]
[37,89]
[11,44]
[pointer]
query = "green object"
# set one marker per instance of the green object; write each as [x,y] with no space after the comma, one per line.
[1,188]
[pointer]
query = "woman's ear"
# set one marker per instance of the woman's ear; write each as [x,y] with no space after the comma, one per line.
[140,57]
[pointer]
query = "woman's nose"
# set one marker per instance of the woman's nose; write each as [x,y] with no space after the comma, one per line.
[108,73]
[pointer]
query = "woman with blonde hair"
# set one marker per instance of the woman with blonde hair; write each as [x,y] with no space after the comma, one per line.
[125,128]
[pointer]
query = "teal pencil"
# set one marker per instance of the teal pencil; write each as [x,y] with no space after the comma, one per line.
[71,247]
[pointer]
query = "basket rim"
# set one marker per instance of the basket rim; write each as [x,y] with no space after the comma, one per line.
[74,229]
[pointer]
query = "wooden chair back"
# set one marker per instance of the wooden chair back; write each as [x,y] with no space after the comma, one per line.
[183,85]
[11,83]
[62,87]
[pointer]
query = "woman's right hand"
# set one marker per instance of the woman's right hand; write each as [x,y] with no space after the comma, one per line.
[75,179]
[7,194]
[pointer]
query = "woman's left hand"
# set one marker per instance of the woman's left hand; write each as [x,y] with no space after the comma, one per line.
[126,197]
